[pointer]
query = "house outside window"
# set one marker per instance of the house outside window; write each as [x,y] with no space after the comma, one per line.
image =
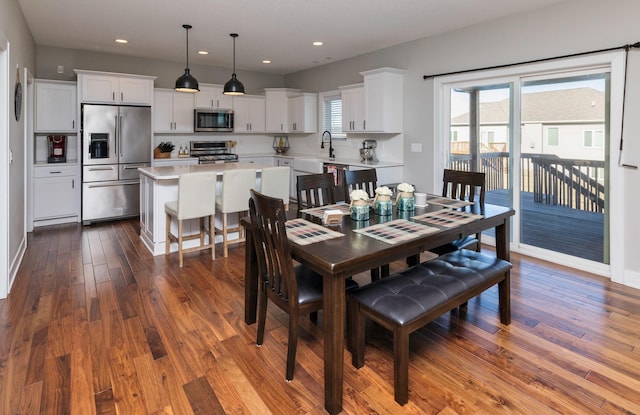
[553,137]
[593,139]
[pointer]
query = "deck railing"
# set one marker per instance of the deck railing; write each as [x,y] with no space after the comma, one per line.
[578,184]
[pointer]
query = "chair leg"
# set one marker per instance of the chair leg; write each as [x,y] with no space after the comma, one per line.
[293,345]
[262,317]
[202,231]
[180,258]
[167,243]
[225,244]
[401,365]
[212,236]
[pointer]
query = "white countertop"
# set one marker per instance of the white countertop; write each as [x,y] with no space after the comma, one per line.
[323,159]
[173,172]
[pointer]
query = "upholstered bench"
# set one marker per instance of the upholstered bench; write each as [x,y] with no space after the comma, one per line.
[408,300]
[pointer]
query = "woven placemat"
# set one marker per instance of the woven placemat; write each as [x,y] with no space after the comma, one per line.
[318,212]
[303,232]
[447,218]
[447,201]
[397,230]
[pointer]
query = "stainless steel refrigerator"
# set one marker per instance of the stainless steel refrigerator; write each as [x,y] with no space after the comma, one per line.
[116,140]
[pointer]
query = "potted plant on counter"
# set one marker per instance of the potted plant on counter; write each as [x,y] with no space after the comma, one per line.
[163,150]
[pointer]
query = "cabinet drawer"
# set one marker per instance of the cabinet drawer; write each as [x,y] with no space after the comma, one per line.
[54,171]
[100,173]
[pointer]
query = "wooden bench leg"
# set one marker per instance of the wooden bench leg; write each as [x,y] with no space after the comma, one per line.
[504,298]
[401,364]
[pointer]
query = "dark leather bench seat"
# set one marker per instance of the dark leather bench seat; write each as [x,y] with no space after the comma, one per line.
[410,299]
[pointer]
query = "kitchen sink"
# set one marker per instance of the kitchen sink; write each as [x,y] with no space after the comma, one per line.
[308,165]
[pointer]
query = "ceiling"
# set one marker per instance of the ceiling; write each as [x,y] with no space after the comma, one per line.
[279,30]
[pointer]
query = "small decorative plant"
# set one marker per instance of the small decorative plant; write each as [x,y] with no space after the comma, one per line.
[359,208]
[405,199]
[383,191]
[405,188]
[359,197]
[382,203]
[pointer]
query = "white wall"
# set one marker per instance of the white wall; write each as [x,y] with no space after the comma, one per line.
[566,28]
[21,55]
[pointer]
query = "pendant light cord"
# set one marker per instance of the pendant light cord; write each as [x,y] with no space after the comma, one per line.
[187,27]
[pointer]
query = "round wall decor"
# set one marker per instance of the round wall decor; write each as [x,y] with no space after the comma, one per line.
[17,96]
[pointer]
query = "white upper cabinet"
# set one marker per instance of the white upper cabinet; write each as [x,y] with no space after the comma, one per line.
[277,111]
[383,100]
[56,108]
[211,96]
[303,113]
[353,108]
[112,88]
[249,114]
[374,106]
[172,111]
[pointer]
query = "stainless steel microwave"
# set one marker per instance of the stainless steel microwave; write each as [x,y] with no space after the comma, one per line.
[212,120]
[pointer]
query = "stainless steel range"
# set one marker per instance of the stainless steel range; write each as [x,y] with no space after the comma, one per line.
[210,152]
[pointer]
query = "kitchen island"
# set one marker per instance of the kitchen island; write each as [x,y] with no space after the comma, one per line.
[159,185]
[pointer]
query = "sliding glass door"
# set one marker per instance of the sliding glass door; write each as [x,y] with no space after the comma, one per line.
[542,141]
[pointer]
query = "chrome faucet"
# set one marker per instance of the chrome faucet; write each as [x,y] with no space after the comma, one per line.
[331,154]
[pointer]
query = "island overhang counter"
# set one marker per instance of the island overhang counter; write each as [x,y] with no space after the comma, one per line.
[159,185]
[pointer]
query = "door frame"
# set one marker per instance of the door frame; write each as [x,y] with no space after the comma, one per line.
[612,61]
[5,110]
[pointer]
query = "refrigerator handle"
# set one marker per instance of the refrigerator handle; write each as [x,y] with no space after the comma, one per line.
[119,133]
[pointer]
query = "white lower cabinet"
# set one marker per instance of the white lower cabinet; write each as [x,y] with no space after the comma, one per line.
[56,195]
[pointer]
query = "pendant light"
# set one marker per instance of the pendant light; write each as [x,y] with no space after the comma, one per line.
[233,87]
[187,83]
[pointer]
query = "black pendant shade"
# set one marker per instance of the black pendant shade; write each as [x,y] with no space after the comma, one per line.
[186,82]
[233,86]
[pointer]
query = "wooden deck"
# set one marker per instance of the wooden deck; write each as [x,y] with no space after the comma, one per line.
[557,228]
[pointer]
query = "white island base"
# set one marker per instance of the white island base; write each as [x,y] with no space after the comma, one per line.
[159,185]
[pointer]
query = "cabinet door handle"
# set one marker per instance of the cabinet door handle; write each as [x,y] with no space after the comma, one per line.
[73,124]
[55,172]
[113,96]
[364,124]
[121,96]
[73,183]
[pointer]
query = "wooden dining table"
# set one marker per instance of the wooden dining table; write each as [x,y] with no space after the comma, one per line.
[339,258]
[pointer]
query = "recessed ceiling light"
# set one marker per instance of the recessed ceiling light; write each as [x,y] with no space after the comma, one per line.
[318,43]
[266,61]
[203,52]
[122,41]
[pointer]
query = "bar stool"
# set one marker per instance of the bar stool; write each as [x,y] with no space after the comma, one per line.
[236,186]
[275,183]
[196,199]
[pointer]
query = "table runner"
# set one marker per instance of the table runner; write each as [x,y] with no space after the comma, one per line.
[446,201]
[318,212]
[304,232]
[397,230]
[447,218]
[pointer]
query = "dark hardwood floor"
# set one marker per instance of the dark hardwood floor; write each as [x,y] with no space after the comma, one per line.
[96,325]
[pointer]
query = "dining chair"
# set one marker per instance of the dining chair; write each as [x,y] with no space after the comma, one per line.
[274,182]
[366,180]
[196,199]
[315,190]
[294,289]
[236,185]
[463,185]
